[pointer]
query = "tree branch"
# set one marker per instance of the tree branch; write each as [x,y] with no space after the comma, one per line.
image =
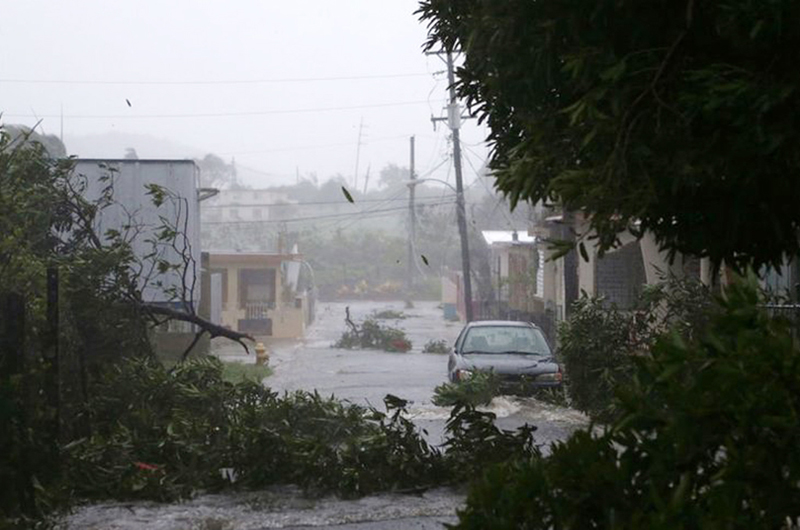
[194,341]
[214,330]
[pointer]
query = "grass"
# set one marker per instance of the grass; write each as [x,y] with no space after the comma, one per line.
[237,372]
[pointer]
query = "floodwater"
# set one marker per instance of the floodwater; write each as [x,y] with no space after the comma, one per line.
[365,377]
[362,377]
[276,508]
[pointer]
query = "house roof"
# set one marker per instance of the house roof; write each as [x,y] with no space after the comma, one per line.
[235,254]
[507,236]
[135,160]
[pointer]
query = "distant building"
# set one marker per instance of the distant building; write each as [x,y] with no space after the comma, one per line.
[245,220]
[268,294]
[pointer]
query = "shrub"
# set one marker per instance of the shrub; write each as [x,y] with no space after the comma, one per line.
[156,433]
[436,346]
[389,314]
[477,390]
[599,343]
[706,438]
[235,372]
[595,345]
[473,443]
[165,434]
[372,335]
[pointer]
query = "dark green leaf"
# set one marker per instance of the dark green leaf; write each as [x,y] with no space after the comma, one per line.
[347,195]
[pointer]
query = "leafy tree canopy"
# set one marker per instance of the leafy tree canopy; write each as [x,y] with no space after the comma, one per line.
[677,117]
[216,173]
[21,134]
[393,175]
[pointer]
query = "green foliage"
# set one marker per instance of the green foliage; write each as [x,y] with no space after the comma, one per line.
[474,443]
[359,264]
[238,372]
[166,434]
[705,438]
[156,433]
[372,335]
[482,387]
[595,345]
[476,390]
[389,314]
[216,173]
[436,346]
[599,344]
[47,225]
[681,117]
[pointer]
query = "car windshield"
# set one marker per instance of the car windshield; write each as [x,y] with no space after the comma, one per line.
[505,339]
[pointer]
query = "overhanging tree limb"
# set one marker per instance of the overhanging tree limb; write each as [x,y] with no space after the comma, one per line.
[214,330]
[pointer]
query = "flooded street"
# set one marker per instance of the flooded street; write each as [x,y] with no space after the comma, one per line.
[365,376]
[277,508]
[359,376]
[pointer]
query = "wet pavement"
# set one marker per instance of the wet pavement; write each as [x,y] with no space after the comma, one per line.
[359,376]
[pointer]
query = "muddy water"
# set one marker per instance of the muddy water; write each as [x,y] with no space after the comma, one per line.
[362,377]
[365,377]
[277,508]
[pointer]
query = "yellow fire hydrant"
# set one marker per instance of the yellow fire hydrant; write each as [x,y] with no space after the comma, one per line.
[262,355]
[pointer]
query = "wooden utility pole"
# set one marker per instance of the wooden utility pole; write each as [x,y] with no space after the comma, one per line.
[454,123]
[412,221]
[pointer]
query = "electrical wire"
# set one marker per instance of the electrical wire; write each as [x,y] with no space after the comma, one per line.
[210,82]
[301,204]
[338,226]
[310,218]
[217,114]
[318,146]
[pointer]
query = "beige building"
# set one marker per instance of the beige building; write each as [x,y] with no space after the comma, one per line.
[265,294]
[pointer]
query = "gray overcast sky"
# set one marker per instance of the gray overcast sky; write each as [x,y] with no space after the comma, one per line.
[189,69]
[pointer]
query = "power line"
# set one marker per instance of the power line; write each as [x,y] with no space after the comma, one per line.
[350,222]
[312,218]
[308,203]
[318,146]
[216,114]
[210,82]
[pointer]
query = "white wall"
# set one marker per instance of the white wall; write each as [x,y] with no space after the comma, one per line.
[128,179]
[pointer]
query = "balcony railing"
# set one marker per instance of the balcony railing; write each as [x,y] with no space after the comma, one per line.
[258,310]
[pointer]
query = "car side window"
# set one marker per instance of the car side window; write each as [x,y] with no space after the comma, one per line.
[457,343]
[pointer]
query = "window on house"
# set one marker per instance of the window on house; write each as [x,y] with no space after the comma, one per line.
[256,286]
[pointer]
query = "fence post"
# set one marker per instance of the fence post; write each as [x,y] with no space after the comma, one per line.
[12,363]
[53,378]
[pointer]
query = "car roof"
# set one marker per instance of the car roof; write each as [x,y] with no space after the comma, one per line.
[511,323]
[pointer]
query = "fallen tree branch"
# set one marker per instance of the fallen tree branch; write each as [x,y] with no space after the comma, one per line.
[214,330]
[350,322]
[189,348]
